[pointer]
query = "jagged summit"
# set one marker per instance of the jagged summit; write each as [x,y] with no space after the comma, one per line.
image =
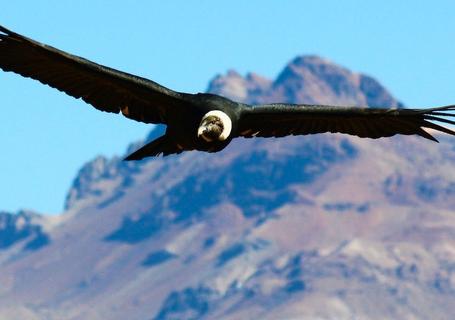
[322,81]
[305,79]
[239,88]
[23,229]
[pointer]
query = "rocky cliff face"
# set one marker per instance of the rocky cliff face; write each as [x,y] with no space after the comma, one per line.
[317,227]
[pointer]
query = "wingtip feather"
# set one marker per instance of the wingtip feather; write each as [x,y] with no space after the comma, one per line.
[433,118]
[428,124]
[421,132]
[442,115]
[6,31]
[443,108]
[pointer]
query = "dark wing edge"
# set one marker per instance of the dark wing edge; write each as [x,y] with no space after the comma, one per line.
[105,88]
[279,120]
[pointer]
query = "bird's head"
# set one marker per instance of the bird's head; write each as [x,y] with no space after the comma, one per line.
[215,126]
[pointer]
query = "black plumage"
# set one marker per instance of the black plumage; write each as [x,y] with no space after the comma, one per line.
[191,121]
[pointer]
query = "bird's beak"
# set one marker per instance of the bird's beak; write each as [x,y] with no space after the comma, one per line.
[201,133]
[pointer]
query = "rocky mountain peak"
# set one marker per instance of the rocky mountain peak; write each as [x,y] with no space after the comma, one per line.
[312,79]
[23,227]
[305,79]
[88,175]
[239,88]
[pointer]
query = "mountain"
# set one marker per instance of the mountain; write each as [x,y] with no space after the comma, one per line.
[306,79]
[315,227]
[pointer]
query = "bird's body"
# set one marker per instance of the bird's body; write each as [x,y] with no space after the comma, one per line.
[203,122]
[182,128]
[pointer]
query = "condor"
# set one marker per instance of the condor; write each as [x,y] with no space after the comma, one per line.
[203,122]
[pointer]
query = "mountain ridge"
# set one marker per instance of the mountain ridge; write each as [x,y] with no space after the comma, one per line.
[305,79]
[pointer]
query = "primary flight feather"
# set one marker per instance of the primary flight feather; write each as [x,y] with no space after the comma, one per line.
[204,122]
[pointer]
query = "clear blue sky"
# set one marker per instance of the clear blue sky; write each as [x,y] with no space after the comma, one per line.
[45,136]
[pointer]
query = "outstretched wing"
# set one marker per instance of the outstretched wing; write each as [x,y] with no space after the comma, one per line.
[105,88]
[278,120]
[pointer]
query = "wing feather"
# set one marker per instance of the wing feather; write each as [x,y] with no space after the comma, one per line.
[105,88]
[277,120]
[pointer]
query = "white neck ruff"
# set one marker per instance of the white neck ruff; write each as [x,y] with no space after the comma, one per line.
[227,123]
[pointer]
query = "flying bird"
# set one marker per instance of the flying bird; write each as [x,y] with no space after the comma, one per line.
[204,122]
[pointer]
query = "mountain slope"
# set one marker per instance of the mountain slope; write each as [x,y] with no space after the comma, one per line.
[323,226]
